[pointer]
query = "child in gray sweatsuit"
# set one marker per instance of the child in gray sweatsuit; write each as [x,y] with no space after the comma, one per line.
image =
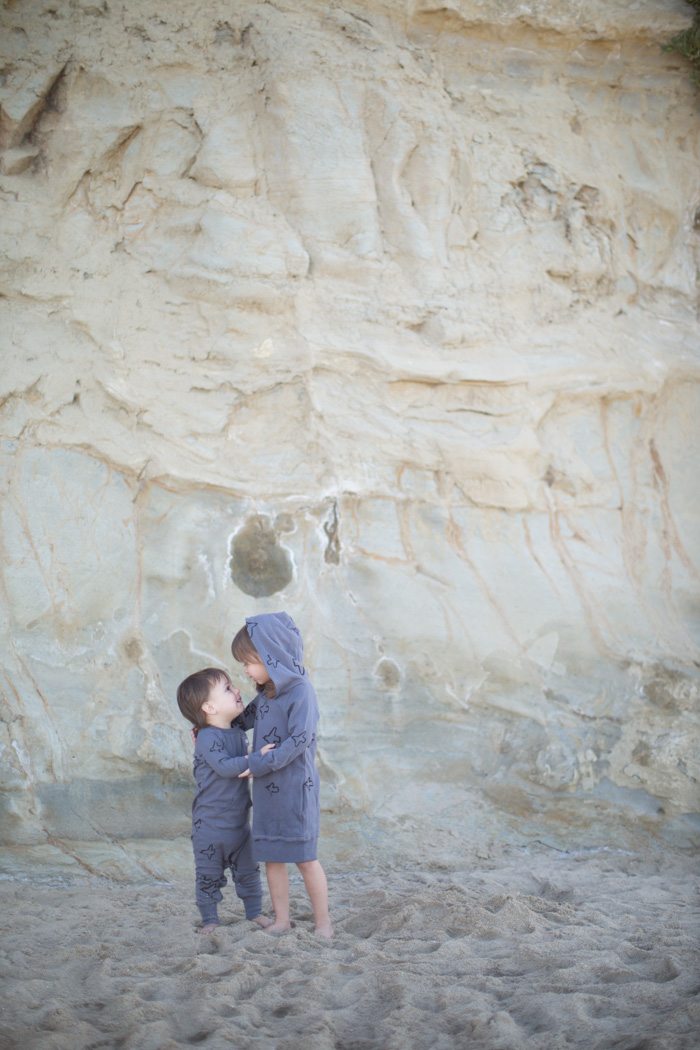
[220,825]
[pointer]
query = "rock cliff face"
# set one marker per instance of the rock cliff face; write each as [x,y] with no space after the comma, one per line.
[383,313]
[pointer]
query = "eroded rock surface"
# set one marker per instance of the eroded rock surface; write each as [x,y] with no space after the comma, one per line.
[408,291]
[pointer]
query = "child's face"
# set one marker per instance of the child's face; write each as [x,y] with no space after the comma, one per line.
[224,702]
[257,671]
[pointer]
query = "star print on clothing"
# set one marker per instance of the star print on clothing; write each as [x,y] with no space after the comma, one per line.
[209,887]
[300,738]
[273,737]
[262,711]
[271,662]
[197,824]
[251,625]
[309,783]
[209,851]
[299,667]
[272,788]
[218,745]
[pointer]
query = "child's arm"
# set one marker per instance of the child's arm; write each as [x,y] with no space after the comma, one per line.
[263,751]
[301,720]
[247,719]
[210,749]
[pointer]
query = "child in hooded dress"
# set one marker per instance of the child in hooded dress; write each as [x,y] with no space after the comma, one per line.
[220,824]
[286,806]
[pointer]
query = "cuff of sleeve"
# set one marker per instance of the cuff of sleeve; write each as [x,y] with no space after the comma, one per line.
[257,764]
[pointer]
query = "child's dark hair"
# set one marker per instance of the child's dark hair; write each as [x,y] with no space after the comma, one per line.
[243,650]
[193,693]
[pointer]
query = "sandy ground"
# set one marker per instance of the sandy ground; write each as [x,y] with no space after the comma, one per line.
[528,948]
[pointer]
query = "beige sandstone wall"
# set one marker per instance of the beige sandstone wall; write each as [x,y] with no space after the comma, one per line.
[384,313]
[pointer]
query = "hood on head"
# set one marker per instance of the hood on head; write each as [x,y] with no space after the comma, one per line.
[278,641]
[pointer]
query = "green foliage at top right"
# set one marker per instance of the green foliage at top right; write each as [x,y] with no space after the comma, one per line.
[688,42]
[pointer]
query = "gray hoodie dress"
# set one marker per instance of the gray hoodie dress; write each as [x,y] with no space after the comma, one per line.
[286,807]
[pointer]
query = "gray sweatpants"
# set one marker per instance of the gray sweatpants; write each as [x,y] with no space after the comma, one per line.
[214,852]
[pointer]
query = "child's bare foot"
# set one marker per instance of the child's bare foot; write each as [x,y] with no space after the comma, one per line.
[278,928]
[263,921]
[209,928]
[325,929]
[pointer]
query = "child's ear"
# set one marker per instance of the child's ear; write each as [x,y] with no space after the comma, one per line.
[209,707]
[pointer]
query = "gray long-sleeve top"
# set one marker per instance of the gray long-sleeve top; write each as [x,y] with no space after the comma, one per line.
[222,801]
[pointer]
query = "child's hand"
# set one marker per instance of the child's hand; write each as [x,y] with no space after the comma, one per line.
[263,751]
